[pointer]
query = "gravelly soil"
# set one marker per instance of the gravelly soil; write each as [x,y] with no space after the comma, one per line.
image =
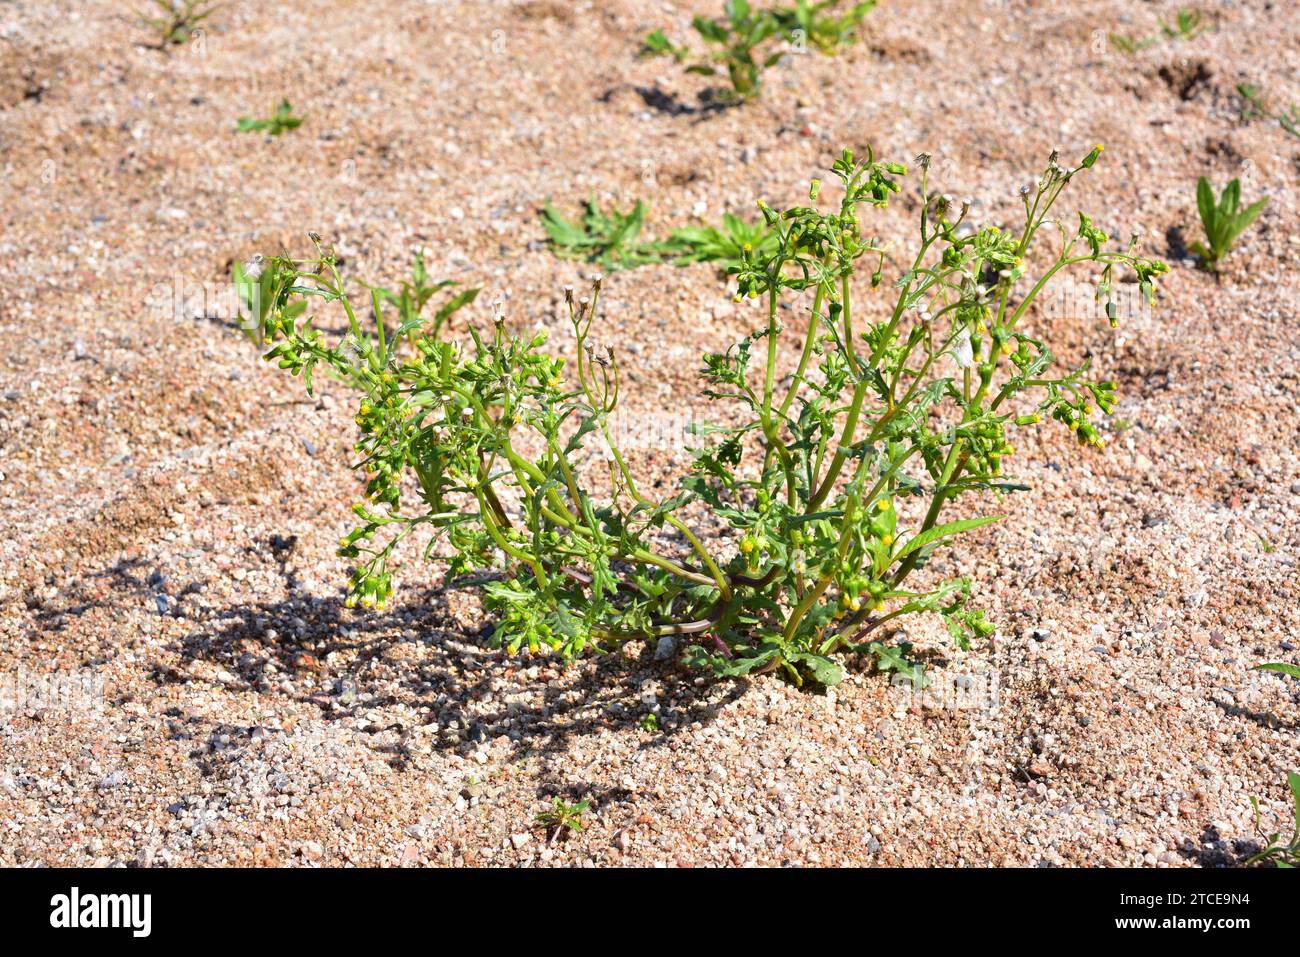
[173,506]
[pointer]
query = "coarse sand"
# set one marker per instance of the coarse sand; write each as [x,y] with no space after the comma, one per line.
[181,682]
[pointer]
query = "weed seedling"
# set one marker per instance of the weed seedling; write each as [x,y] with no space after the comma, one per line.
[414,295]
[1252,102]
[562,817]
[1290,120]
[1223,221]
[825,25]
[733,43]
[1127,43]
[1282,855]
[609,240]
[1189,24]
[1288,854]
[658,44]
[612,240]
[827,487]
[177,20]
[278,122]
[1254,107]
[734,40]
[727,245]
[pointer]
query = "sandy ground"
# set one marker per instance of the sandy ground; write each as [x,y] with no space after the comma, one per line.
[182,683]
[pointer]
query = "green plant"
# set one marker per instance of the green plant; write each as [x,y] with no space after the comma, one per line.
[1254,107]
[1282,855]
[177,20]
[1252,102]
[651,722]
[1281,668]
[830,477]
[414,295]
[1290,120]
[726,245]
[1189,24]
[278,122]
[562,816]
[612,240]
[1224,221]
[658,44]
[823,24]
[255,288]
[735,39]
[608,239]
[1126,43]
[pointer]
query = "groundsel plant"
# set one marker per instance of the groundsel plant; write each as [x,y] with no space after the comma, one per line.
[281,121]
[828,25]
[1223,220]
[612,240]
[176,21]
[738,43]
[734,42]
[739,46]
[1281,853]
[832,473]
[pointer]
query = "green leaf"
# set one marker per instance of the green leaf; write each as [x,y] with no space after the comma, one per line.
[1247,216]
[943,531]
[824,670]
[1280,667]
[458,302]
[706,28]
[560,230]
[1230,200]
[1205,203]
[1293,779]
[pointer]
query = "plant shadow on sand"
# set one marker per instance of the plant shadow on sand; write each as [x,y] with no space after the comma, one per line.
[670,104]
[351,662]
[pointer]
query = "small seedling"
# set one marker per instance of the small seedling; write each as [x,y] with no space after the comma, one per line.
[1254,107]
[1282,855]
[726,245]
[658,44]
[612,240]
[608,239]
[1290,120]
[278,122]
[734,41]
[414,295]
[1189,24]
[651,722]
[1126,43]
[1252,102]
[177,20]
[562,817]
[1224,221]
[824,25]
